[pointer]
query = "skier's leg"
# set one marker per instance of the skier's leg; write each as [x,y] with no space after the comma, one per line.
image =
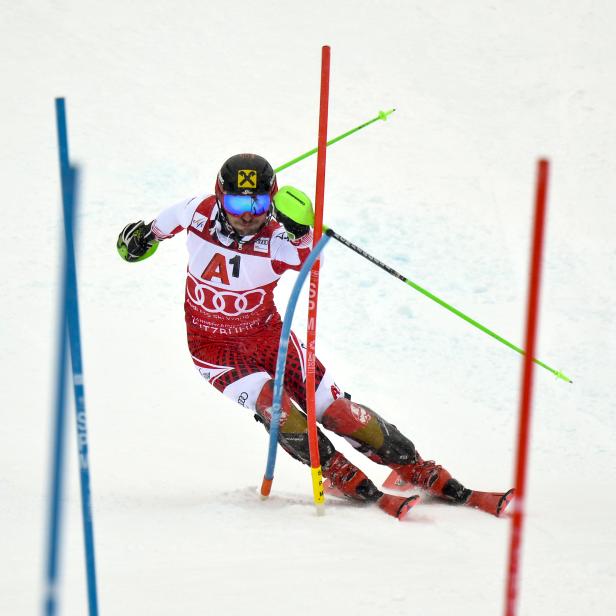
[342,473]
[365,429]
[293,437]
[242,372]
[383,443]
[295,378]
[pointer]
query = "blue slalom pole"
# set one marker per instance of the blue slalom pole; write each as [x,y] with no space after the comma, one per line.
[50,598]
[281,362]
[70,177]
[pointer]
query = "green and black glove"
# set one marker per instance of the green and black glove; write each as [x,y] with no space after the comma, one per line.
[293,210]
[137,242]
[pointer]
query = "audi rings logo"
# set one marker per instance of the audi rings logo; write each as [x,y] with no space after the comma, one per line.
[221,301]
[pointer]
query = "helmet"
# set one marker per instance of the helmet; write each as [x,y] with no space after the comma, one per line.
[246,174]
[252,178]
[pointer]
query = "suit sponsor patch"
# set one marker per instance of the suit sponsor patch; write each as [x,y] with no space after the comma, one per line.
[198,221]
[262,244]
[247,179]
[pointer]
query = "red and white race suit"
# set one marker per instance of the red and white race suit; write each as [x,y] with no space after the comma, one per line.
[232,323]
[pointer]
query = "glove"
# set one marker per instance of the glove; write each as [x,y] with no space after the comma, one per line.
[137,242]
[293,210]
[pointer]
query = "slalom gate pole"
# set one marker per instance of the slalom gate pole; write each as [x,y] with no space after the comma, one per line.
[56,480]
[532,323]
[69,177]
[439,301]
[283,346]
[382,115]
[313,296]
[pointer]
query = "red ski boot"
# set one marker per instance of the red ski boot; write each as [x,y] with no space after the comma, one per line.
[344,479]
[438,482]
[424,474]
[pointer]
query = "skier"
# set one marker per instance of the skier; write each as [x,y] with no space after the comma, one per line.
[240,241]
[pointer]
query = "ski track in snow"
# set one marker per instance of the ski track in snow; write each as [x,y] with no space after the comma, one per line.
[158,95]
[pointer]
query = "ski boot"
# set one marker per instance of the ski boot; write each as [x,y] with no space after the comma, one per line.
[344,479]
[437,481]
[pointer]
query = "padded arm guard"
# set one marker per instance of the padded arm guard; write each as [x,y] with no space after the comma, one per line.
[293,210]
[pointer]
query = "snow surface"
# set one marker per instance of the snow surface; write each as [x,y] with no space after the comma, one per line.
[158,95]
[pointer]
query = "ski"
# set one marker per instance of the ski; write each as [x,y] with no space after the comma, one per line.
[398,506]
[394,505]
[490,502]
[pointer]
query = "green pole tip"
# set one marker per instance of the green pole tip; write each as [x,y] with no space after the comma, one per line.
[562,376]
[383,114]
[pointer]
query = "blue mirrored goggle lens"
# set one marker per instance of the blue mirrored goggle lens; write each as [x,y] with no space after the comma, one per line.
[253,204]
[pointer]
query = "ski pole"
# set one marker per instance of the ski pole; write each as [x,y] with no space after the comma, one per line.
[381,116]
[444,304]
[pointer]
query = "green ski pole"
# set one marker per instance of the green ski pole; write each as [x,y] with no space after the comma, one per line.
[439,301]
[382,116]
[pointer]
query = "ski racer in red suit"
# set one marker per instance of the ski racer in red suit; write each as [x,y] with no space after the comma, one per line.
[240,241]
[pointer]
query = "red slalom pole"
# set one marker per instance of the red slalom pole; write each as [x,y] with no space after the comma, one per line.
[532,318]
[315,462]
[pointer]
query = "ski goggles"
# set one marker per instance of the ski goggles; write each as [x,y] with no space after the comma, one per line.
[256,205]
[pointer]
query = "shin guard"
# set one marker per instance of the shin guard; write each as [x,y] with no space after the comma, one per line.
[369,433]
[293,434]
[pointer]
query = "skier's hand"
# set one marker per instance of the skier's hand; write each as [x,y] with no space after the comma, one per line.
[293,210]
[136,242]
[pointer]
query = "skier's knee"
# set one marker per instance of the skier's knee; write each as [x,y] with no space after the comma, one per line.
[293,435]
[374,436]
[291,418]
[347,418]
